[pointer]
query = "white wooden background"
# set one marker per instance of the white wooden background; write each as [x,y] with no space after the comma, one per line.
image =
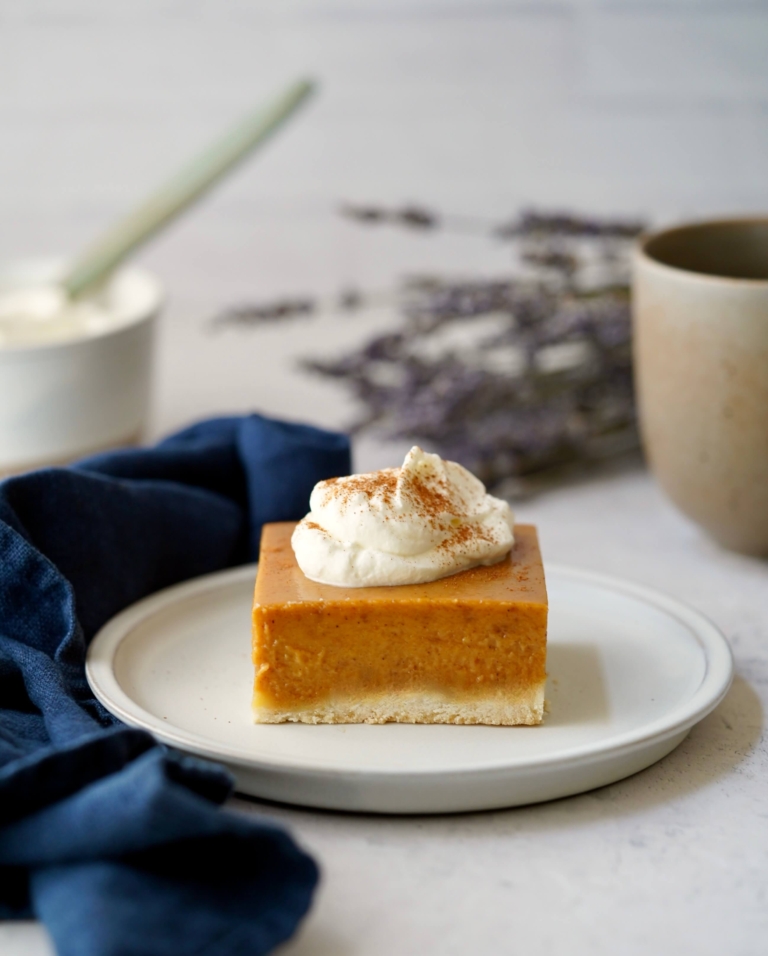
[651,108]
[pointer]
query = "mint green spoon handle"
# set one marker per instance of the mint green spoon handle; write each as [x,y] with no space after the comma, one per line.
[180,192]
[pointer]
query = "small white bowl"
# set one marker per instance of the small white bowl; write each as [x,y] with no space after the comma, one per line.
[64,399]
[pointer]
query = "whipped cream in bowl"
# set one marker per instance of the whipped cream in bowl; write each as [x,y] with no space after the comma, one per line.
[423,521]
[75,375]
[42,314]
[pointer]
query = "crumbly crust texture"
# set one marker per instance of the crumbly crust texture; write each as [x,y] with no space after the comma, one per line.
[526,708]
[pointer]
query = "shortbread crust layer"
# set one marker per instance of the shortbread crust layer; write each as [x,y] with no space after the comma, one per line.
[507,709]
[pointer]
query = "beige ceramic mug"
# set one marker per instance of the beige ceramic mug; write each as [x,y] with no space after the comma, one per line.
[700,313]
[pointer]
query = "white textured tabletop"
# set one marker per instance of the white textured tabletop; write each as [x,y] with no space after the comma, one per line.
[476,110]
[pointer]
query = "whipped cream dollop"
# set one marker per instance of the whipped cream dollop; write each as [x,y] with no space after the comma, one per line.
[423,521]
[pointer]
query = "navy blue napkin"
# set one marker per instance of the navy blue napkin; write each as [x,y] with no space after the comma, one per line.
[120,845]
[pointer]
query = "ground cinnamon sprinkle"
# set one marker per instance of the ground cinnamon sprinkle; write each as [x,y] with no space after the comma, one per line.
[430,501]
[466,535]
[427,499]
[380,482]
[314,526]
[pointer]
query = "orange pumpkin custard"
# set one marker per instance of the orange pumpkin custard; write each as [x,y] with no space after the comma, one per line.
[468,648]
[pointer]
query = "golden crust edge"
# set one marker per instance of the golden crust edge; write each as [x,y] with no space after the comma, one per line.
[501,709]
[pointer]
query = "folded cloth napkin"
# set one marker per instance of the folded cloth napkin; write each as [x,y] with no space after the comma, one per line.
[118,844]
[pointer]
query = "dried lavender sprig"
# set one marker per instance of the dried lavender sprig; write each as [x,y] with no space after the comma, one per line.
[413,217]
[258,313]
[502,425]
[562,325]
[529,224]
[533,223]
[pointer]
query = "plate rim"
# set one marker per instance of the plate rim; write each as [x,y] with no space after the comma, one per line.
[714,685]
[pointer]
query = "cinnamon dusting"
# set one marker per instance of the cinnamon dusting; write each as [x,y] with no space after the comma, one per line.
[430,502]
[314,526]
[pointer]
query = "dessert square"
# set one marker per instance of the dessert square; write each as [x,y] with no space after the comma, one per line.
[469,648]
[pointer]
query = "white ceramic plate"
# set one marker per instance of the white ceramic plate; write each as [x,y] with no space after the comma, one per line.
[631,671]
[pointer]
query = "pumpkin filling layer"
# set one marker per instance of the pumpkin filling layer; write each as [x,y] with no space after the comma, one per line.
[468,648]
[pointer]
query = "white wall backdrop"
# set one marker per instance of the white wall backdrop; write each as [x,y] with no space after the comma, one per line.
[476,108]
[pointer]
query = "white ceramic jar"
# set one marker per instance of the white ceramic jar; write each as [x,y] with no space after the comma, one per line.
[64,399]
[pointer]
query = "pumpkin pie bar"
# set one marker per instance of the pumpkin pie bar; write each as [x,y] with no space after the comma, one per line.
[469,648]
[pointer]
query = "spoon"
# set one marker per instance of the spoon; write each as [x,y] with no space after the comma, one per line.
[157,211]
